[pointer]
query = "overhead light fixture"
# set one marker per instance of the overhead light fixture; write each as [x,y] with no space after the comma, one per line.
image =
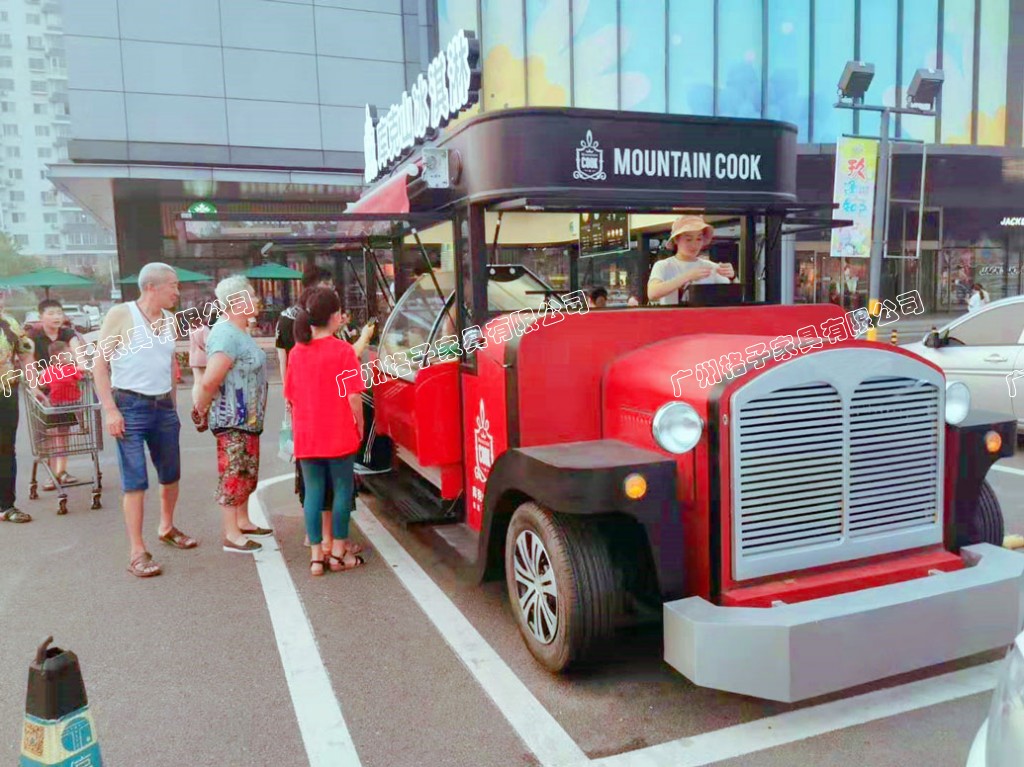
[925,87]
[266,248]
[856,80]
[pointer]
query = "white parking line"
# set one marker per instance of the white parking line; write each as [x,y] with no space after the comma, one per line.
[323,729]
[541,733]
[1008,470]
[793,726]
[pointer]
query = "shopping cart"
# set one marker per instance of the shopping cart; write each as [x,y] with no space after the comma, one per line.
[65,430]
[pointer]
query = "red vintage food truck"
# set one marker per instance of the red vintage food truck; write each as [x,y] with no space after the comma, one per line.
[815,520]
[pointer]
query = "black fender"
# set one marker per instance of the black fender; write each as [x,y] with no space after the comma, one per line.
[967,440]
[586,479]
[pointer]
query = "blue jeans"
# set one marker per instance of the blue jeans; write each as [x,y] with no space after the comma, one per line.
[315,474]
[153,424]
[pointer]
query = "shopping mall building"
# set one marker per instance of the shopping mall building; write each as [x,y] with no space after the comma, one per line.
[257,107]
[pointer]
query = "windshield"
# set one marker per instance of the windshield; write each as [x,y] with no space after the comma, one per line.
[509,289]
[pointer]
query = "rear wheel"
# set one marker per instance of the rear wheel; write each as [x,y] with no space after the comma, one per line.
[561,585]
[990,516]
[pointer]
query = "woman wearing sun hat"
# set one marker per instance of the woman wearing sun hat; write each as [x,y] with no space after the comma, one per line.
[689,237]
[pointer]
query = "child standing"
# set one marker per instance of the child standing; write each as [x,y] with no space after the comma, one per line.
[59,381]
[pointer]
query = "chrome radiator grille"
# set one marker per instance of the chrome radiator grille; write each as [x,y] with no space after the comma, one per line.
[835,456]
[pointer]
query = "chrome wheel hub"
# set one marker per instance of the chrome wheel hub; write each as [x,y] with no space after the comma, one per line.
[535,587]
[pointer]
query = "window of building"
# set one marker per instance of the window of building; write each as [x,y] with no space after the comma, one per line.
[6,84]
[37,65]
[42,131]
[593,51]
[50,218]
[691,57]
[5,41]
[45,153]
[14,174]
[12,151]
[48,198]
[18,218]
[788,78]
[53,241]
[35,43]
[6,62]
[39,86]
[547,53]
[8,107]
[10,130]
[4,16]
[17,196]
[32,18]
[958,67]
[642,42]
[39,109]
[739,58]
[21,240]
[42,175]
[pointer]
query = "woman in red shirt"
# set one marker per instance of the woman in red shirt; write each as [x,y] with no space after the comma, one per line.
[326,427]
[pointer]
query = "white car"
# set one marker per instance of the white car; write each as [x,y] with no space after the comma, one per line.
[1000,739]
[985,350]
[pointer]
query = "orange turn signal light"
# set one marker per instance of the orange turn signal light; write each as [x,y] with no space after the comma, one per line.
[635,486]
[993,441]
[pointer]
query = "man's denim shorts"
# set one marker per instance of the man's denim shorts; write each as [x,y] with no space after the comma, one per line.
[147,422]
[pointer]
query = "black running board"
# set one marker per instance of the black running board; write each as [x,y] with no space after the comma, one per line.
[411,500]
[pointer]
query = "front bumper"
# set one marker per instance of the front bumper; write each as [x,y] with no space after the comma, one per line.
[796,651]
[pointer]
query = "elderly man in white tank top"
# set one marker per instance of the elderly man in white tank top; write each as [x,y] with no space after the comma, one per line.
[134,376]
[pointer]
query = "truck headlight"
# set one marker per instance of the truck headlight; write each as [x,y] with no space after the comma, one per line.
[677,427]
[1005,741]
[958,402]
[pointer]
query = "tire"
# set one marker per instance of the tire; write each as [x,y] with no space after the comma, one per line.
[990,516]
[586,598]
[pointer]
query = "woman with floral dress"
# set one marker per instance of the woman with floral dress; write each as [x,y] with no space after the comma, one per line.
[232,402]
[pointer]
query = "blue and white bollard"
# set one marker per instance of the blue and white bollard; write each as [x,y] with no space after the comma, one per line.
[59,731]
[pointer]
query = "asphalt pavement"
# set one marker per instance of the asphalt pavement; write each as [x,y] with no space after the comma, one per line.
[426,668]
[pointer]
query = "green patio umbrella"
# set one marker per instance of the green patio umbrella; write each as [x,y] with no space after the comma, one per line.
[45,278]
[184,275]
[272,272]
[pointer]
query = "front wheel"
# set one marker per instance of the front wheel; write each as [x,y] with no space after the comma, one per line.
[561,585]
[990,516]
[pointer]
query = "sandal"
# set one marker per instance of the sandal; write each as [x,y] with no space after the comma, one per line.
[342,567]
[174,537]
[323,567]
[15,515]
[143,566]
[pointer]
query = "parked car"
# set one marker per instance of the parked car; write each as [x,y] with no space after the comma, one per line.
[1000,739]
[85,318]
[983,349]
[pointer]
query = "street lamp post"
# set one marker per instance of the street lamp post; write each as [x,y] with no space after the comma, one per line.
[924,89]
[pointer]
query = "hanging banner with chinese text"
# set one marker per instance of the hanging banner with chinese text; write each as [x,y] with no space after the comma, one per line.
[856,167]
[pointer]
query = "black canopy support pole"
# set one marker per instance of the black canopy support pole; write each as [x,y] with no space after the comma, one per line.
[773,258]
[478,263]
[497,232]
[378,272]
[426,260]
[359,282]
[748,257]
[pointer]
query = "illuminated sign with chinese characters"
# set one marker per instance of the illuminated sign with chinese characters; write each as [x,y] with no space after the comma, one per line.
[451,85]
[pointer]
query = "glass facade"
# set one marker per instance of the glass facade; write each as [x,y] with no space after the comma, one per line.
[777,59]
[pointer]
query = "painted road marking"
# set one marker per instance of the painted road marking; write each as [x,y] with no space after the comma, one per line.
[541,733]
[793,726]
[1008,470]
[324,732]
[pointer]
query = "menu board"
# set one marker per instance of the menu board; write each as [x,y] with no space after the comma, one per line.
[603,233]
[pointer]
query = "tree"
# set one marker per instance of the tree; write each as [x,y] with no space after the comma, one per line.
[12,261]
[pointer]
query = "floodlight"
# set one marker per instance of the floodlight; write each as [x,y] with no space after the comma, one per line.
[925,87]
[856,79]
